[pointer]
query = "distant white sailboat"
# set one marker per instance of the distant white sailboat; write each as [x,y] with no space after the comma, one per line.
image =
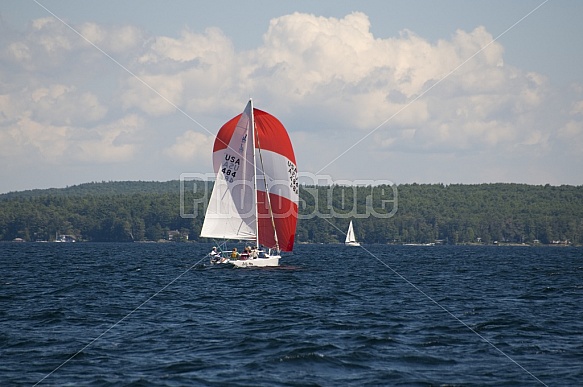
[350,238]
[256,192]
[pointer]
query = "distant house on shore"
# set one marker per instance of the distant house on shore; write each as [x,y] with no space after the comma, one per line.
[65,238]
[176,235]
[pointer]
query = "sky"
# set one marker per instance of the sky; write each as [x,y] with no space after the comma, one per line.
[370,91]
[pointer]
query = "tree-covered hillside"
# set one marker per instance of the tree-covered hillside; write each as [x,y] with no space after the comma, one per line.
[137,211]
[101,189]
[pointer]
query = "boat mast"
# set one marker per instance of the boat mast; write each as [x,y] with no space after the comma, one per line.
[252,128]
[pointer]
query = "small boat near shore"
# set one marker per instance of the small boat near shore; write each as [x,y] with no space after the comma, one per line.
[350,237]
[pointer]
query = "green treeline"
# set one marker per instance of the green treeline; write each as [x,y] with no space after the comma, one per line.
[425,213]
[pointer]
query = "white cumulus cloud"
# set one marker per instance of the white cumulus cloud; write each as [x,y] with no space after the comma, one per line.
[191,146]
[333,83]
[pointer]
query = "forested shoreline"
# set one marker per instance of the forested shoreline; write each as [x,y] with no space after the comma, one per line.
[408,213]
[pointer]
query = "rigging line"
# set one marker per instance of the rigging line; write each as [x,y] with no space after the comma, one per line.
[432,86]
[120,321]
[443,308]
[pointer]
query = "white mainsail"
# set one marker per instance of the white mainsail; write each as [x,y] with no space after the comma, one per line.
[350,237]
[232,208]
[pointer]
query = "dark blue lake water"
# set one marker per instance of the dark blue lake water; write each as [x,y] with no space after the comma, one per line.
[141,314]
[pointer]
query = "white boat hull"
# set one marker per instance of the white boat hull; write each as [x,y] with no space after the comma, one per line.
[356,244]
[256,262]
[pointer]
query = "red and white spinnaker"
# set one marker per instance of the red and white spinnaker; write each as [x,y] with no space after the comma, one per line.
[255,196]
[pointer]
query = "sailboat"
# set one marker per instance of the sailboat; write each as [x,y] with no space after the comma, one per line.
[350,238]
[256,192]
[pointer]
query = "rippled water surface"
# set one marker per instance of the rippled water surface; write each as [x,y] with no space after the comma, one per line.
[145,314]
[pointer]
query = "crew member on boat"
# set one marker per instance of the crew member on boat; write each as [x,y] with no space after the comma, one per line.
[246,254]
[215,254]
[234,254]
